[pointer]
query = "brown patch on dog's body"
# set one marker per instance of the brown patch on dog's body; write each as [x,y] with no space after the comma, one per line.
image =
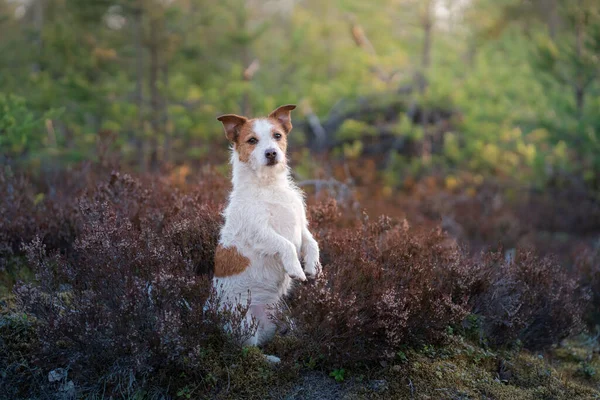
[228,262]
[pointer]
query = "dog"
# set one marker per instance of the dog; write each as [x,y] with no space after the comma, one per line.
[265,231]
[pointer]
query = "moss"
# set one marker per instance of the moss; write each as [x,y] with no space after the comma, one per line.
[15,270]
[465,371]
[18,342]
[578,359]
[253,377]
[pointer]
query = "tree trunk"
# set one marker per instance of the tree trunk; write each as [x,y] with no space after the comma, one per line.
[246,63]
[471,52]
[552,18]
[165,113]
[246,59]
[138,33]
[38,25]
[153,48]
[579,100]
[579,88]
[427,25]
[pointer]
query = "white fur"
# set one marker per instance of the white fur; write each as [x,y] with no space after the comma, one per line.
[265,220]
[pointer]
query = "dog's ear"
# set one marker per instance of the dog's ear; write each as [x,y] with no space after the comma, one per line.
[282,114]
[232,124]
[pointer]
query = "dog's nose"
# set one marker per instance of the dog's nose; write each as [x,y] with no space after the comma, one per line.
[271,154]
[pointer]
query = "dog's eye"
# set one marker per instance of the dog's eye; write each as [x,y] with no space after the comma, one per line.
[277,136]
[252,141]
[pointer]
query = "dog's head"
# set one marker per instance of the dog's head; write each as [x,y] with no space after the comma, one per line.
[260,143]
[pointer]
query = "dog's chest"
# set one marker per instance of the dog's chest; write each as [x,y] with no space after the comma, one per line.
[285,216]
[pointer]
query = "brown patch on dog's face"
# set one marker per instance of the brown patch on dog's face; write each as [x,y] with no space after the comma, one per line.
[238,130]
[278,129]
[243,144]
[228,262]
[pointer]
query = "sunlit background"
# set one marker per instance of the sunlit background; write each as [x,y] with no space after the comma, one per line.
[397,99]
[505,88]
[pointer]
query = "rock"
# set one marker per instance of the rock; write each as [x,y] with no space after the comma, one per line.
[273,359]
[57,374]
[379,385]
[68,390]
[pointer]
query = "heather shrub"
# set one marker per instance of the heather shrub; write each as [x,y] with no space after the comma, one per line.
[50,207]
[527,299]
[26,213]
[18,343]
[123,303]
[385,285]
[493,214]
[587,265]
[569,207]
[127,303]
[481,217]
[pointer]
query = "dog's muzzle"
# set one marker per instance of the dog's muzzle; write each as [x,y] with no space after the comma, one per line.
[271,156]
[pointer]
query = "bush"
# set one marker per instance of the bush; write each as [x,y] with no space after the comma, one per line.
[23,131]
[128,302]
[528,300]
[123,303]
[26,213]
[384,285]
[587,266]
[18,347]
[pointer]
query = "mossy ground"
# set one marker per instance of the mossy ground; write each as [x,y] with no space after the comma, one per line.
[15,270]
[464,370]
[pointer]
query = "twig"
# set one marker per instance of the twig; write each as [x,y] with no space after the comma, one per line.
[360,38]
[228,380]
[251,70]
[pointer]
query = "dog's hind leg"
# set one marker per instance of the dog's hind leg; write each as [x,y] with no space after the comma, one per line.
[250,320]
[266,327]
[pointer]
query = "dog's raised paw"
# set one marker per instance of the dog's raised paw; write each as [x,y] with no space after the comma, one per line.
[313,269]
[295,271]
[300,276]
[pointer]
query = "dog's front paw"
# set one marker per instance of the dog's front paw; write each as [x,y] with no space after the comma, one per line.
[312,268]
[295,270]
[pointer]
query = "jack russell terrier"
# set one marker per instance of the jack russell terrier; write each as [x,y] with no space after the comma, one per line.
[265,231]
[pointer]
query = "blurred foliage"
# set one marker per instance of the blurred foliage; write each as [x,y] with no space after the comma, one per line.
[521,79]
[23,130]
